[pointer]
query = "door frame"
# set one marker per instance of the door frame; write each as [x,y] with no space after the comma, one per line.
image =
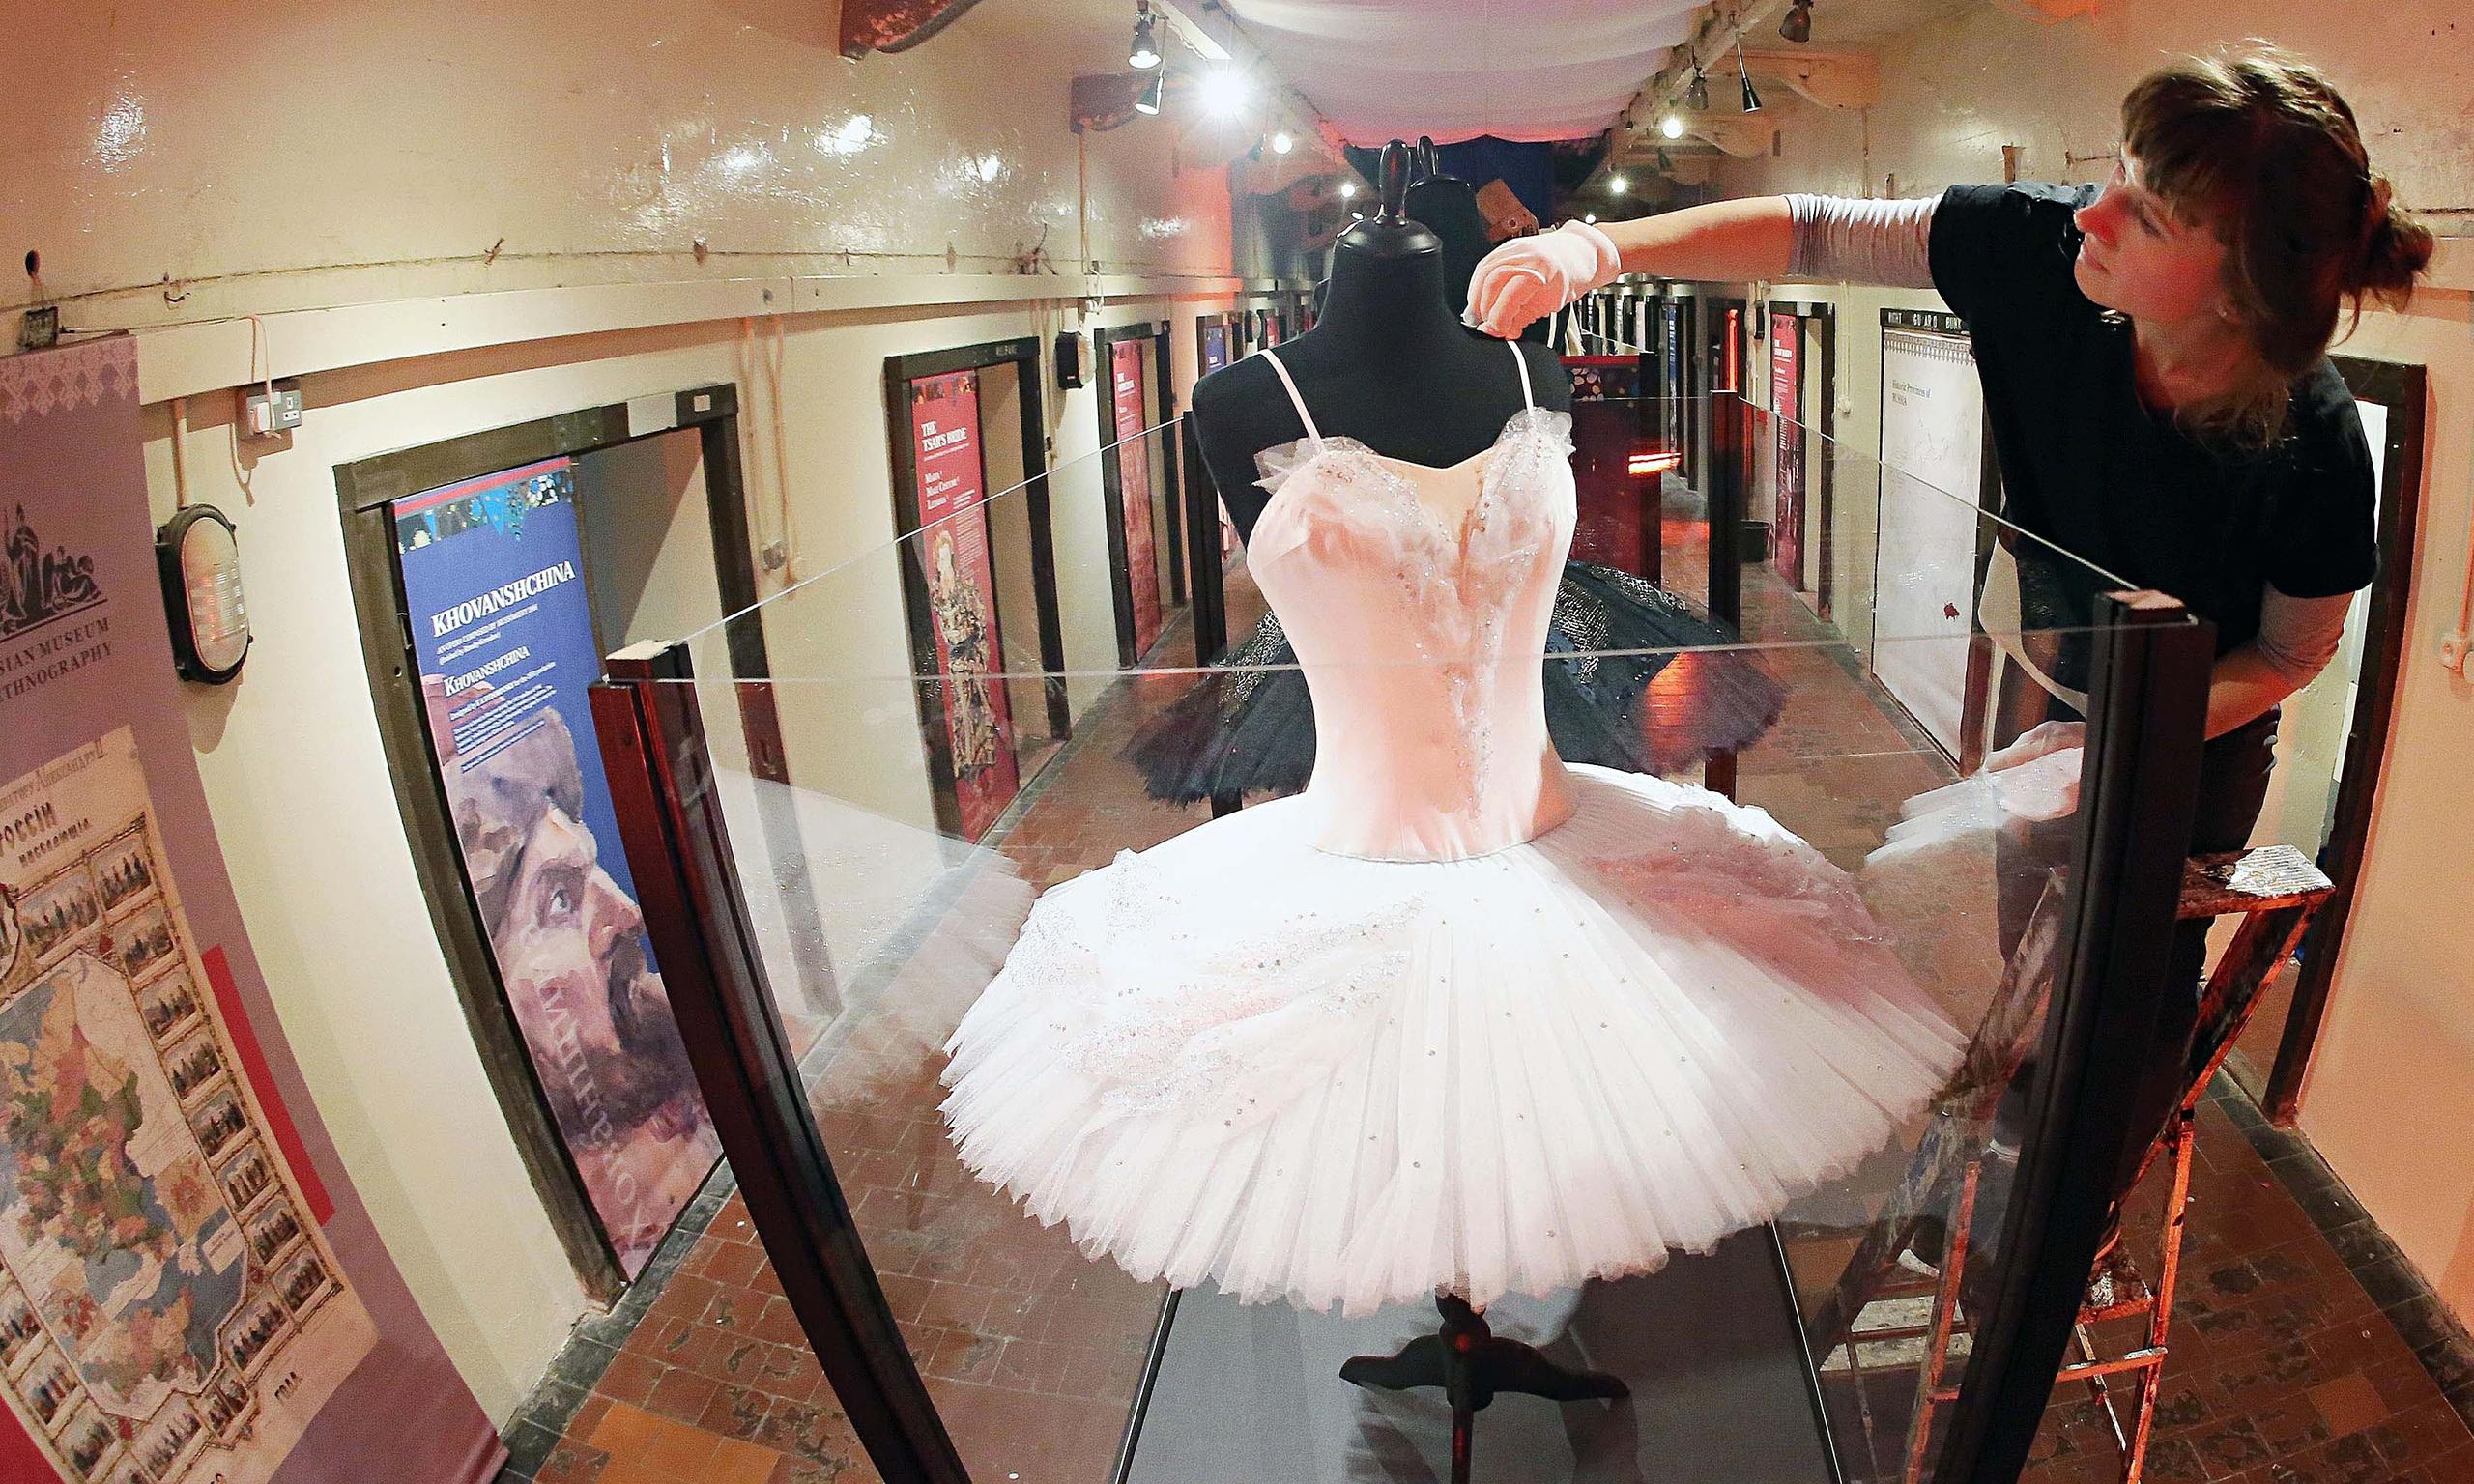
[1104,380]
[366,489]
[2404,389]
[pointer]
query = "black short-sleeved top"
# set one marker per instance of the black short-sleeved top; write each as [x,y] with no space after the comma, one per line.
[2086,467]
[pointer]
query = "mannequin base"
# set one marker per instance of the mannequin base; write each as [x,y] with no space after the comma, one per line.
[1472,1367]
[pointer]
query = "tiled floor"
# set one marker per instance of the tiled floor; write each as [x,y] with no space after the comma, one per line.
[2304,1352]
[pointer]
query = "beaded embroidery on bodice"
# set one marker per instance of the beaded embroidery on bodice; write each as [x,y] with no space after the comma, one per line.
[1418,600]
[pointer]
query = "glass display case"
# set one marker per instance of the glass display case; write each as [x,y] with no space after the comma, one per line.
[837,856]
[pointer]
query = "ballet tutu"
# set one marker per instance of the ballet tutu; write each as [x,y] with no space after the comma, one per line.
[1662,707]
[1351,1082]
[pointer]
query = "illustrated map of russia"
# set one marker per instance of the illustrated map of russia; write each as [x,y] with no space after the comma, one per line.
[111,1215]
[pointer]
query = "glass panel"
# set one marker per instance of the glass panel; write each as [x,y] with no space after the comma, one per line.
[1694,1094]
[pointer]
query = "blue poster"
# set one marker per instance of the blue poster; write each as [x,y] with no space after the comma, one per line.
[1214,348]
[494,592]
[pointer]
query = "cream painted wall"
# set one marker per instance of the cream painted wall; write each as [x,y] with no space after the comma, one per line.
[321,155]
[2399,1048]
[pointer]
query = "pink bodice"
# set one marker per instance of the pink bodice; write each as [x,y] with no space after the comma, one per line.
[1418,601]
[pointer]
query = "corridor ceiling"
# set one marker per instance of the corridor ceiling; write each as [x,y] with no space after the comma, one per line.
[1455,69]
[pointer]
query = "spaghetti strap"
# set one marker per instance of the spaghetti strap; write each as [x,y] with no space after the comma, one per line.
[1298,402]
[1527,401]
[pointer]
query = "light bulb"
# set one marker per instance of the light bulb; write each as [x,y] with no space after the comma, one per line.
[1223,92]
[1672,127]
[1348,190]
[1616,183]
[1281,143]
[1591,218]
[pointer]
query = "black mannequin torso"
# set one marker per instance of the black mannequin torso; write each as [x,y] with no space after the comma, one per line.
[1387,363]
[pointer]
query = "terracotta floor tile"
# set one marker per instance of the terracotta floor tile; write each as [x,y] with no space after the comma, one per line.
[623,1429]
[681,1396]
[2349,1403]
[2455,1468]
[631,1377]
[735,1412]
[740,1463]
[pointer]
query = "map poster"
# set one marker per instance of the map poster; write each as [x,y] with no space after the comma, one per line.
[1786,406]
[953,545]
[190,1290]
[1133,489]
[493,573]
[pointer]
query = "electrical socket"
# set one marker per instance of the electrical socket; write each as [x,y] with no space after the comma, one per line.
[265,416]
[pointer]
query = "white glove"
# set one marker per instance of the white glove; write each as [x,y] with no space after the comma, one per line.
[1530,276]
[2038,741]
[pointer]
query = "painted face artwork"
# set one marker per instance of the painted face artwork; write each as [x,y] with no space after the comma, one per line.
[2140,258]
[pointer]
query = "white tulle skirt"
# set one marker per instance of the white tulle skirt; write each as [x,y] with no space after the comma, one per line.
[1353,1082]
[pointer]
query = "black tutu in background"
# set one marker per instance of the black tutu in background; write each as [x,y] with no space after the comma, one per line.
[1250,729]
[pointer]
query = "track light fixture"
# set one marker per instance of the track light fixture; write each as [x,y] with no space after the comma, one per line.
[1144,54]
[1148,102]
[1751,99]
[1697,95]
[1797,27]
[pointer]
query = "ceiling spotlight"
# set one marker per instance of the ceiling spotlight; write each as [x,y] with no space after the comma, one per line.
[1697,96]
[1224,91]
[1281,143]
[1799,24]
[1616,183]
[1672,127]
[1148,102]
[1348,190]
[1144,54]
[1751,99]
[1591,218]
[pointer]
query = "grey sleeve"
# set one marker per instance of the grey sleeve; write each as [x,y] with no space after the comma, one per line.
[1884,242]
[2298,636]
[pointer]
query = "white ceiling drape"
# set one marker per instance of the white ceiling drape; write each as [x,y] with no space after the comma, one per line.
[1454,69]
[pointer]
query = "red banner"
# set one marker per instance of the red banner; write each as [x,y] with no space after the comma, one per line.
[1134,489]
[1786,406]
[953,547]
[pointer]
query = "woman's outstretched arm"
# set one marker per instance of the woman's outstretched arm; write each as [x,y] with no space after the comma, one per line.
[1885,243]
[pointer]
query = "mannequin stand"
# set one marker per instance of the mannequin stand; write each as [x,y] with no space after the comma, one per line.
[1472,1367]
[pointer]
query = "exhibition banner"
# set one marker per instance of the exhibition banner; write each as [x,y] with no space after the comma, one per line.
[953,543]
[493,573]
[1786,387]
[1215,355]
[190,1292]
[1133,489]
